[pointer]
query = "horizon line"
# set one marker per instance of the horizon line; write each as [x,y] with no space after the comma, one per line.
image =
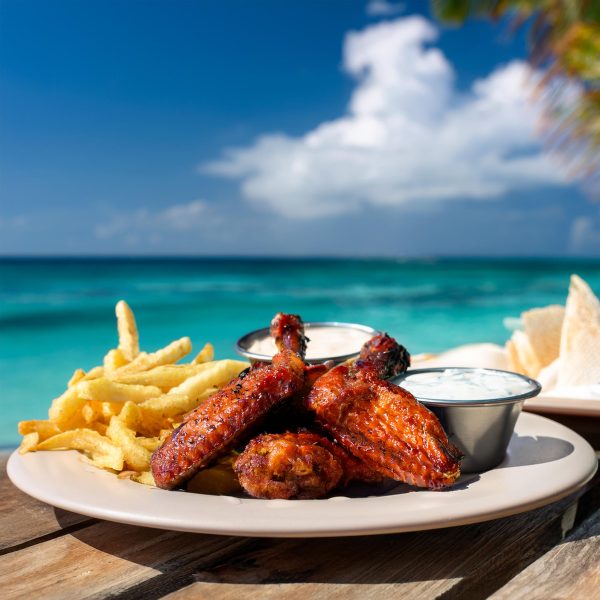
[293,257]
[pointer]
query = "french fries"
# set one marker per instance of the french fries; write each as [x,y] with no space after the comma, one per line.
[106,390]
[119,413]
[165,376]
[129,344]
[102,452]
[169,354]
[207,354]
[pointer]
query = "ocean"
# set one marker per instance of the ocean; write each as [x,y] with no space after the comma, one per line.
[58,314]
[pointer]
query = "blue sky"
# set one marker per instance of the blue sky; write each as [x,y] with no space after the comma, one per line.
[273,128]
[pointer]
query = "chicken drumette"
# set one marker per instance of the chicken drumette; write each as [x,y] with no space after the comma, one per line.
[297,465]
[287,465]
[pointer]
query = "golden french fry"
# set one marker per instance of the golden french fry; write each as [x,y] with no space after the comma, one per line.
[94,373]
[81,375]
[113,360]
[99,427]
[145,477]
[172,405]
[163,434]
[100,449]
[29,442]
[216,374]
[131,415]
[110,409]
[105,390]
[136,456]
[164,377]
[168,355]
[77,376]
[95,411]
[218,479]
[89,414]
[129,345]
[207,354]
[146,422]
[44,429]
[150,443]
[65,411]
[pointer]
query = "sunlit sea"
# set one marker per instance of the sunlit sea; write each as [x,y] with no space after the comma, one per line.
[56,315]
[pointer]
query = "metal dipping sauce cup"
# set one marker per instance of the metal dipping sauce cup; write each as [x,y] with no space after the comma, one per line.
[481,428]
[244,344]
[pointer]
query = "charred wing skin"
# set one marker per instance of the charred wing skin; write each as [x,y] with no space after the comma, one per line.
[384,426]
[385,355]
[292,414]
[354,470]
[216,425]
[286,466]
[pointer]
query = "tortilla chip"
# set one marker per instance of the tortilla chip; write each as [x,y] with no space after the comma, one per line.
[580,337]
[526,357]
[514,364]
[543,329]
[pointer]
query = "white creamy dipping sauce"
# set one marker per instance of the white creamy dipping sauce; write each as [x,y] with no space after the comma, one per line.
[465,384]
[325,341]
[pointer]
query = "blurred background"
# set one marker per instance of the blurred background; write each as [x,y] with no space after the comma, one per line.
[427,168]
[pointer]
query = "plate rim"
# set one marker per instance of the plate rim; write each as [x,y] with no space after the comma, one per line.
[18,474]
[548,404]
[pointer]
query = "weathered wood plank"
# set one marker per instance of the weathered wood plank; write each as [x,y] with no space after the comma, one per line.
[23,519]
[108,559]
[111,559]
[569,570]
[464,562]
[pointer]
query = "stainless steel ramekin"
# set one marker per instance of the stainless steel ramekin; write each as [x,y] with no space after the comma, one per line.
[480,428]
[245,342]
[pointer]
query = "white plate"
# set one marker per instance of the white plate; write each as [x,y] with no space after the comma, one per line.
[564,405]
[545,461]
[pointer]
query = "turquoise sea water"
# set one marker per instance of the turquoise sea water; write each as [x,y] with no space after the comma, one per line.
[56,315]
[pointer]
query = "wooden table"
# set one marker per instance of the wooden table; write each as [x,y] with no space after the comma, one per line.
[552,552]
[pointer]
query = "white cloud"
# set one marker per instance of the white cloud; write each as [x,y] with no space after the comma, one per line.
[382,8]
[585,235]
[408,135]
[152,224]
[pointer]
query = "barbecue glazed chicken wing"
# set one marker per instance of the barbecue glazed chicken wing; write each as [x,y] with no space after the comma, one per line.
[286,466]
[382,424]
[297,465]
[216,425]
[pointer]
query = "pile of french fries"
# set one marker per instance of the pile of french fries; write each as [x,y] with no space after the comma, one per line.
[118,413]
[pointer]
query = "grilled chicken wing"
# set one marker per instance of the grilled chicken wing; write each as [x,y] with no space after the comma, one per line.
[287,465]
[298,465]
[219,422]
[382,424]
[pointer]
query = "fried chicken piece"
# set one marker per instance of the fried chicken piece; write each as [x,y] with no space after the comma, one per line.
[217,424]
[382,424]
[298,465]
[287,466]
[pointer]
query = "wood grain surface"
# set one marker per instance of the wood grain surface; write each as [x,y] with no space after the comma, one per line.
[23,520]
[569,570]
[66,556]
